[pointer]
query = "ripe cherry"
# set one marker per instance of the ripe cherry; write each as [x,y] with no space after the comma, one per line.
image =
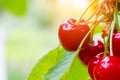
[95,60]
[90,51]
[108,69]
[71,34]
[116,44]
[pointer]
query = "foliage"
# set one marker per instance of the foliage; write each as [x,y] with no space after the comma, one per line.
[17,7]
[55,64]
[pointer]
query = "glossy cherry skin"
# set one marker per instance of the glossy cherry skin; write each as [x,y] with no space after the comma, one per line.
[90,51]
[108,69]
[116,44]
[71,34]
[95,60]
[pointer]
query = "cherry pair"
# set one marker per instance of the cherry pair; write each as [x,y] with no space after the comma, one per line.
[97,46]
[104,68]
[71,34]
[108,67]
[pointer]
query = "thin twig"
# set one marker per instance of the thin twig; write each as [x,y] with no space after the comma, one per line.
[85,11]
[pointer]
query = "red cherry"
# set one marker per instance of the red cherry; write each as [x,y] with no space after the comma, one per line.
[71,34]
[93,63]
[116,44]
[90,51]
[108,69]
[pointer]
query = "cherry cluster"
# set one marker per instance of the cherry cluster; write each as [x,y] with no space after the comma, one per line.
[101,57]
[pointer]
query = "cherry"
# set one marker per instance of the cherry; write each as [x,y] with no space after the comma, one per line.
[108,69]
[95,60]
[71,34]
[90,51]
[116,44]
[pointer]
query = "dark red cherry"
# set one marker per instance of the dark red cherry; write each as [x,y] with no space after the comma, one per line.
[116,44]
[95,60]
[108,69]
[71,34]
[90,51]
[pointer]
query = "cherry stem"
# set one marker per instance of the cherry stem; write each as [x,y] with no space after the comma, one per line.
[96,11]
[96,16]
[91,29]
[106,45]
[91,36]
[116,14]
[112,27]
[111,34]
[85,11]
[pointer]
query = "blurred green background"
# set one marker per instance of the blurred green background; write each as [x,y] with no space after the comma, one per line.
[29,30]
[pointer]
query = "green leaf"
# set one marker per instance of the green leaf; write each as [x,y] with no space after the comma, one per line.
[78,72]
[45,63]
[57,71]
[98,28]
[17,7]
